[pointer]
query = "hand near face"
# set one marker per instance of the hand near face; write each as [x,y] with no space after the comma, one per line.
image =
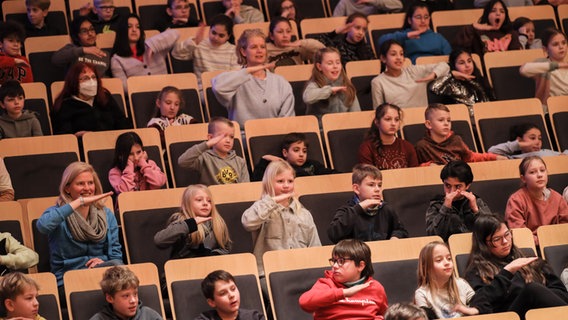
[370,203]
[88,200]
[345,28]
[462,76]
[214,140]
[450,196]
[472,200]
[348,292]
[283,197]
[338,89]
[200,220]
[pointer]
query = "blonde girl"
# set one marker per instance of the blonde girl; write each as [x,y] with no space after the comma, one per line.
[278,220]
[198,229]
[550,73]
[534,204]
[440,291]
[329,90]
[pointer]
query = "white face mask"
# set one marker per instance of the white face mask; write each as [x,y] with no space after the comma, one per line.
[88,88]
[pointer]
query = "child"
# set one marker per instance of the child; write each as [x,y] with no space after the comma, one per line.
[241,13]
[366,217]
[15,121]
[439,290]
[178,15]
[329,90]
[404,86]
[120,287]
[18,295]
[294,148]
[222,294]
[103,15]
[12,64]
[550,73]
[381,147]
[6,189]
[37,23]
[534,204]
[215,158]
[282,50]
[198,229]
[348,290]
[367,7]
[454,211]
[14,255]
[278,220]
[169,104]
[211,53]
[349,39]
[464,84]
[440,145]
[132,170]
[525,28]
[405,311]
[526,141]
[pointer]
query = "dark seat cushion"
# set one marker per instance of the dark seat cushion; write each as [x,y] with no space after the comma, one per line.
[344,147]
[496,130]
[398,278]
[323,207]
[557,257]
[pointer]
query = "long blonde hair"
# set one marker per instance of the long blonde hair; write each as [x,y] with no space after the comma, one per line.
[220,230]
[426,270]
[321,80]
[275,168]
[71,172]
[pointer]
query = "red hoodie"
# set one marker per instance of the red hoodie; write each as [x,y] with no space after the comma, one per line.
[9,70]
[325,300]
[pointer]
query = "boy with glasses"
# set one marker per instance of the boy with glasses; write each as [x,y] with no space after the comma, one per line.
[102,14]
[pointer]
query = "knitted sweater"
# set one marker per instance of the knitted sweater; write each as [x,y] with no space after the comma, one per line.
[453,148]
[325,300]
[523,211]
[403,90]
[429,43]
[554,78]
[275,227]
[348,7]
[399,154]
[248,14]
[9,69]
[160,45]
[213,168]
[27,125]
[247,97]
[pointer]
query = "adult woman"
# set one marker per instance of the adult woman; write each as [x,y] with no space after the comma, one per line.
[253,92]
[493,32]
[133,55]
[503,278]
[82,232]
[85,105]
[416,36]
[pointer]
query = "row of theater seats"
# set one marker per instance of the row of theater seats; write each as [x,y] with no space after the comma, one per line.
[289,273]
[408,191]
[45,158]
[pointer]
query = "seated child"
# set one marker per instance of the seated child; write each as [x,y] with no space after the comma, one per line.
[440,145]
[348,290]
[366,7]
[177,15]
[37,23]
[241,13]
[295,151]
[366,217]
[169,104]
[14,120]
[6,189]
[215,158]
[102,14]
[526,141]
[198,229]
[454,211]
[18,295]
[120,287]
[405,311]
[14,255]
[525,28]
[223,296]
[12,64]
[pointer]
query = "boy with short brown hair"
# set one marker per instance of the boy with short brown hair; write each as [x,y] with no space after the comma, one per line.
[37,24]
[12,64]
[18,294]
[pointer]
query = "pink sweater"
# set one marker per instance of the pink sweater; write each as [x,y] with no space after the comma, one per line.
[524,211]
[147,178]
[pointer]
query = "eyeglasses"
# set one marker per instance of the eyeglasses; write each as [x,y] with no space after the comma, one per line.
[85,30]
[495,241]
[87,78]
[340,261]
[424,17]
[107,8]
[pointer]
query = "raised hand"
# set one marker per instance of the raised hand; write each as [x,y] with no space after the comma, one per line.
[214,140]
[344,28]
[200,35]
[200,220]
[462,76]
[518,263]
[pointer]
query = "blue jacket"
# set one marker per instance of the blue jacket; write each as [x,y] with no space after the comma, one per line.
[67,253]
[430,43]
